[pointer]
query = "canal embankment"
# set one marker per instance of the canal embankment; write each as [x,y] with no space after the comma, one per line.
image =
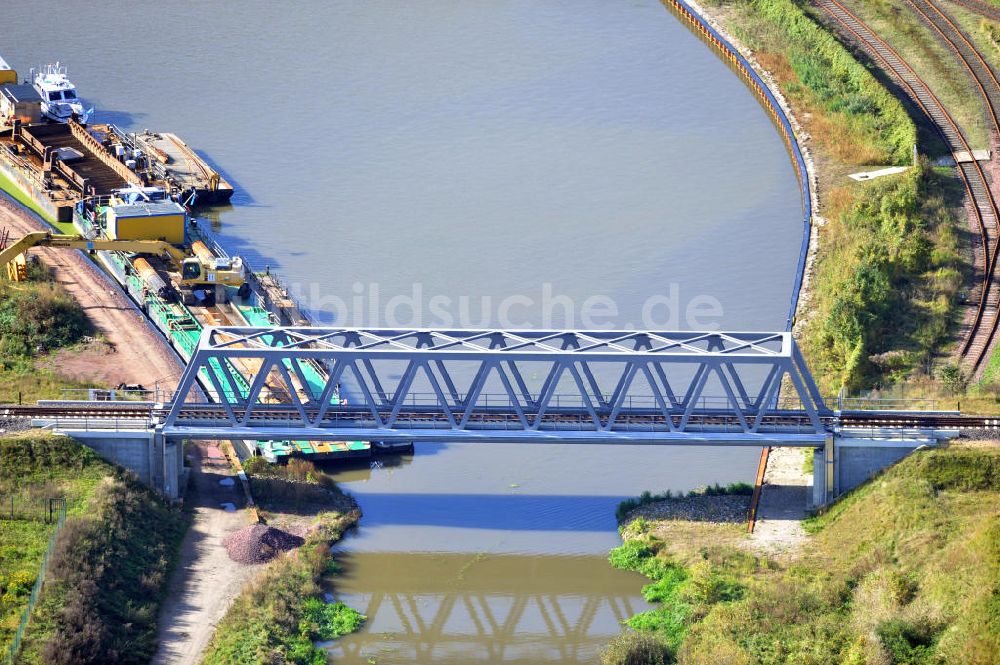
[205,581]
[903,569]
[282,611]
[888,260]
[108,569]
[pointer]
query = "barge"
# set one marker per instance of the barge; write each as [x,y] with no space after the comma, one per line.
[113,185]
[147,281]
[55,159]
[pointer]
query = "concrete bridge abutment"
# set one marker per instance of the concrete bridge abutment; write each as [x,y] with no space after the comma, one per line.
[156,460]
[846,461]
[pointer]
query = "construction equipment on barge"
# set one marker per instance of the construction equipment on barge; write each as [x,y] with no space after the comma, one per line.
[189,275]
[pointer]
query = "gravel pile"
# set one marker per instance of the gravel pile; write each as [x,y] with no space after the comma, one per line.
[259,543]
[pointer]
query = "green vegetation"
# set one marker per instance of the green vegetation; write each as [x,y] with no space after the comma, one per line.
[637,648]
[905,569]
[886,283]
[889,269]
[33,470]
[991,32]
[922,48]
[281,613]
[857,120]
[108,571]
[647,497]
[36,316]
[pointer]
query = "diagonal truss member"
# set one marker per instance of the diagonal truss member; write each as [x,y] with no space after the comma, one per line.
[427,383]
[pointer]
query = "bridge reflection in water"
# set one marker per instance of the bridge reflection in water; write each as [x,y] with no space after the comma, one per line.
[468,608]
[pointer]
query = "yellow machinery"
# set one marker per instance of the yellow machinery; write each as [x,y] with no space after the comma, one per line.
[195,272]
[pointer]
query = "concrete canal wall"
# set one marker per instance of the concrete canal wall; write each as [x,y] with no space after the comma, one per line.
[780,113]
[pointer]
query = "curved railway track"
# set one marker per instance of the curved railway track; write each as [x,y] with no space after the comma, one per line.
[961,45]
[979,335]
[981,8]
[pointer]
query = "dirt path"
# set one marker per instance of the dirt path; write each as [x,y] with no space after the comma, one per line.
[782,504]
[206,581]
[135,352]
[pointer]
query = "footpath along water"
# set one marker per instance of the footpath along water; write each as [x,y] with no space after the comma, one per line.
[554,151]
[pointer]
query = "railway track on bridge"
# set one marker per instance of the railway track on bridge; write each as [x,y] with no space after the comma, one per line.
[284,413]
[979,335]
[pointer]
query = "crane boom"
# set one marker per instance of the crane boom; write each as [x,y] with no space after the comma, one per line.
[193,273]
[46,239]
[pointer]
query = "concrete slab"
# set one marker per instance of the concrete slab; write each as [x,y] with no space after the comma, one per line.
[871,175]
[963,156]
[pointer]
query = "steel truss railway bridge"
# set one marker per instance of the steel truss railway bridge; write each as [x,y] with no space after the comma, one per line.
[494,385]
[529,386]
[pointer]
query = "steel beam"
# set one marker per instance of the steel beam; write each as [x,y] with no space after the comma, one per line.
[732,377]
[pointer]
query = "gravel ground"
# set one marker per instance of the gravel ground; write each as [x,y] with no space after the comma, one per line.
[782,506]
[8,425]
[697,509]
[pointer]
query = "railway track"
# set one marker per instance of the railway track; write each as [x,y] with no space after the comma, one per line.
[977,336]
[961,45]
[981,8]
[276,414]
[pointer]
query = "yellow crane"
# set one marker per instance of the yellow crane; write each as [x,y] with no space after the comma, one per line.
[195,272]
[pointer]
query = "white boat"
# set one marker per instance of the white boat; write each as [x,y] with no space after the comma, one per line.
[59,98]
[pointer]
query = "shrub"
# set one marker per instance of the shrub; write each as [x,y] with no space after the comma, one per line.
[39,316]
[637,648]
[328,621]
[908,643]
[106,579]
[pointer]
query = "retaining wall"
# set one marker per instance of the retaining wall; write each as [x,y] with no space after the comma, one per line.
[856,461]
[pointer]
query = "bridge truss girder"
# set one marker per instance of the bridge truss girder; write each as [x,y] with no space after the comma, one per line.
[421,384]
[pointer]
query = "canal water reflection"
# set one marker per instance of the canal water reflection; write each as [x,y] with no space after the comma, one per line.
[497,553]
[461,608]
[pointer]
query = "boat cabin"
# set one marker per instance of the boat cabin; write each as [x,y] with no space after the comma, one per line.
[59,98]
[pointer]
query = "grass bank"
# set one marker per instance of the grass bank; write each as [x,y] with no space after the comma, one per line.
[36,317]
[886,283]
[282,612]
[905,569]
[32,471]
[919,45]
[108,571]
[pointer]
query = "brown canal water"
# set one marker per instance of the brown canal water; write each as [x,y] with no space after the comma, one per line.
[478,164]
